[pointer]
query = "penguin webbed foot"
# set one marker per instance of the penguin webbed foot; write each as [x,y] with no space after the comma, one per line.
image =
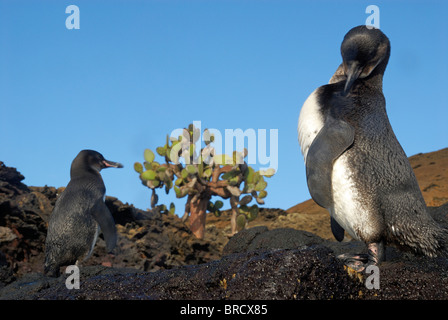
[359,262]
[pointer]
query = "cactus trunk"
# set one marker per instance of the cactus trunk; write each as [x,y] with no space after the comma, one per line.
[198,209]
[234,205]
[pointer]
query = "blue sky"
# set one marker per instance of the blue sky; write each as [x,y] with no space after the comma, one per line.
[136,70]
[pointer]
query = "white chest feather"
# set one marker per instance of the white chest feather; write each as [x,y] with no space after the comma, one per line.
[310,123]
[346,209]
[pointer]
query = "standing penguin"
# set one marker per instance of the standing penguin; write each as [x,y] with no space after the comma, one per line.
[355,166]
[78,214]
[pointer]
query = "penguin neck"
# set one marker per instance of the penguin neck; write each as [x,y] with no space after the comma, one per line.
[84,170]
[375,79]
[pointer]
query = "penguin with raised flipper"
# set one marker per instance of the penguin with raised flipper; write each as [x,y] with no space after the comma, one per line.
[79,213]
[355,166]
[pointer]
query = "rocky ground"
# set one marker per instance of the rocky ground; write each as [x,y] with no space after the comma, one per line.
[283,254]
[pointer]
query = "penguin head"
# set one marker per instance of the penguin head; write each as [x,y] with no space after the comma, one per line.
[88,160]
[365,51]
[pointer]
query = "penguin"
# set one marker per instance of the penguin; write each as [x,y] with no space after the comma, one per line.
[78,214]
[355,166]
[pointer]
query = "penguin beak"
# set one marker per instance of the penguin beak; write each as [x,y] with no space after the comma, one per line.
[111,164]
[352,71]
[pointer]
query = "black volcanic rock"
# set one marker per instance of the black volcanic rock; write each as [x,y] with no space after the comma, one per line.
[22,218]
[10,181]
[261,237]
[311,273]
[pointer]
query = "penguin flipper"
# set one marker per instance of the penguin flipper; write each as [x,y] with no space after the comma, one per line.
[331,141]
[337,230]
[102,215]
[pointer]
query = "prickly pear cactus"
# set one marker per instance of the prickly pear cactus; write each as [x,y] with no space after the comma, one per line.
[202,175]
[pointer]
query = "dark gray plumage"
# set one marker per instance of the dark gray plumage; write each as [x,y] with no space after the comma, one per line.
[355,166]
[80,209]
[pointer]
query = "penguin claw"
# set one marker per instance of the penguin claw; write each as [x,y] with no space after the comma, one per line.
[357,262]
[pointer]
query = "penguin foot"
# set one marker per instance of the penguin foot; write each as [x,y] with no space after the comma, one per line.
[359,262]
[356,262]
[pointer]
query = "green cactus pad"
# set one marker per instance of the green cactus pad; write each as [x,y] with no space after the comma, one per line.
[173,153]
[262,194]
[149,155]
[168,185]
[243,209]
[261,185]
[241,222]
[248,187]
[177,191]
[149,175]
[147,165]
[253,212]
[249,175]
[257,177]
[138,167]
[234,181]
[161,151]
[219,204]
[155,183]
[230,175]
[172,208]
[181,192]
[155,165]
[191,169]
[161,175]
[246,199]
[200,170]
[208,173]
